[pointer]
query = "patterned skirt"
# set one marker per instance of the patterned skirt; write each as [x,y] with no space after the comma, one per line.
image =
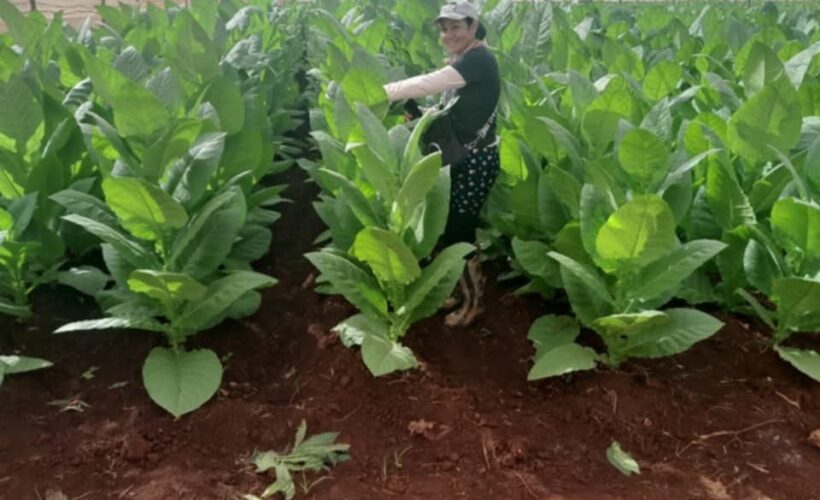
[470,183]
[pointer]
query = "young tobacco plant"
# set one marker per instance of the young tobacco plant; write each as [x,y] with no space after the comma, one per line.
[40,153]
[764,201]
[386,219]
[169,278]
[643,265]
[21,269]
[621,262]
[784,265]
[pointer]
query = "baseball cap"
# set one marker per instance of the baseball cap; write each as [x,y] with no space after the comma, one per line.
[457,11]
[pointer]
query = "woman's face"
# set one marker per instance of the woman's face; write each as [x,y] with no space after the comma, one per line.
[457,35]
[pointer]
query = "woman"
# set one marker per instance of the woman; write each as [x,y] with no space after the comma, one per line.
[471,76]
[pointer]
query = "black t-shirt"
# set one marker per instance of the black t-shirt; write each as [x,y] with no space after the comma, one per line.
[479,98]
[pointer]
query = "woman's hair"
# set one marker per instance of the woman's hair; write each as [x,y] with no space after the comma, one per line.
[480,32]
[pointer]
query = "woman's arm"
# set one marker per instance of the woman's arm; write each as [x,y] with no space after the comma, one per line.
[447,78]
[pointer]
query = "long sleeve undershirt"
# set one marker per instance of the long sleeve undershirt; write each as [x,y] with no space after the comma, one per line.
[446,78]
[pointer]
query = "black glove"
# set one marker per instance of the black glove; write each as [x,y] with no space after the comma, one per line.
[411,109]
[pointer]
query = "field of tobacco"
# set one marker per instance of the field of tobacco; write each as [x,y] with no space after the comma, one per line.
[216,234]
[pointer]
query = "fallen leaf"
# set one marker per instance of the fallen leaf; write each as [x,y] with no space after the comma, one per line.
[55,495]
[814,438]
[421,428]
[428,430]
[714,489]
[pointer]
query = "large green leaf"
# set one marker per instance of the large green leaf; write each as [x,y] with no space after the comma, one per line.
[613,327]
[206,13]
[662,80]
[355,200]
[382,355]
[798,300]
[595,209]
[811,166]
[412,151]
[511,155]
[166,87]
[376,137]
[212,234]
[223,214]
[599,127]
[148,324]
[189,178]
[6,220]
[417,185]
[427,294]
[796,223]
[551,331]
[378,173]
[759,267]
[354,329]
[387,255]
[768,189]
[190,51]
[11,309]
[659,120]
[23,30]
[569,242]
[806,361]
[168,288]
[180,381]
[668,272]
[358,287]
[533,258]
[130,63]
[145,210]
[729,203]
[137,111]
[21,364]
[564,139]
[219,296]
[363,81]
[21,211]
[170,148]
[561,360]
[641,231]
[224,95]
[762,67]
[540,138]
[587,292]
[643,156]
[86,205]
[432,223]
[20,112]
[253,243]
[564,186]
[684,328]
[87,279]
[772,117]
[799,64]
[134,253]
[12,174]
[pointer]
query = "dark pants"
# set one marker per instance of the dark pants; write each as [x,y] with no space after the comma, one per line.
[470,183]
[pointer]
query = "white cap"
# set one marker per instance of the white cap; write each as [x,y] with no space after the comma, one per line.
[457,11]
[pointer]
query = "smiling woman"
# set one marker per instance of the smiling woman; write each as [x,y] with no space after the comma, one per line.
[470,87]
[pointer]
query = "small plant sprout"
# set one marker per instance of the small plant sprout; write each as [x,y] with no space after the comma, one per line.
[316,453]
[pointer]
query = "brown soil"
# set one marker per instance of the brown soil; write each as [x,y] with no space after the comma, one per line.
[727,419]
